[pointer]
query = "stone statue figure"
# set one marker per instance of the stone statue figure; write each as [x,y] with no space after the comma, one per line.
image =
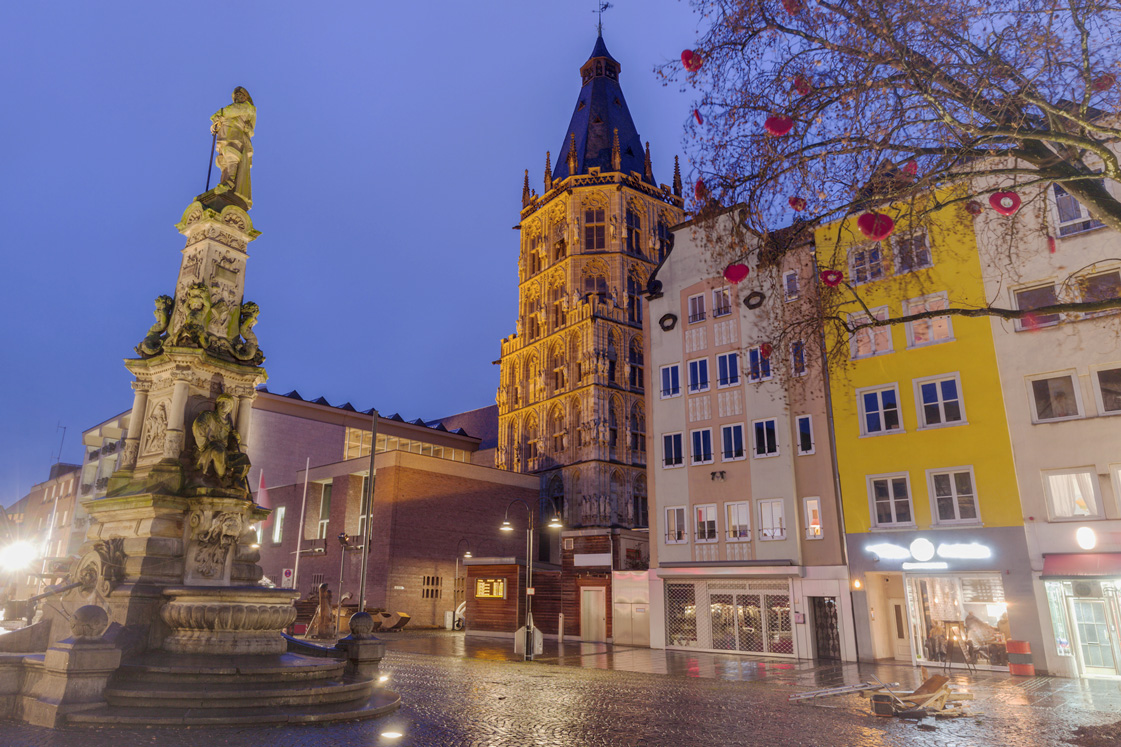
[233,125]
[155,429]
[196,309]
[219,444]
[152,344]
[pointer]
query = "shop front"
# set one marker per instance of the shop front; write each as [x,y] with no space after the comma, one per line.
[1084,601]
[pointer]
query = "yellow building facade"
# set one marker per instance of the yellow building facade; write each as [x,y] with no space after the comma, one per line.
[934,528]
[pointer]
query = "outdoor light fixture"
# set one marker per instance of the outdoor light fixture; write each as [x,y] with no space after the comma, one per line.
[383,678]
[467,554]
[555,523]
[392,734]
[856,584]
[922,549]
[506,526]
[1086,538]
[17,556]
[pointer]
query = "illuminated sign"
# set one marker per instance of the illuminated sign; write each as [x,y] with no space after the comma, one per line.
[490,588]
[923,551]
[935,566]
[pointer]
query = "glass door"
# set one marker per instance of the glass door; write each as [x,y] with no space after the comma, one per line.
[749,615]
[1093,635]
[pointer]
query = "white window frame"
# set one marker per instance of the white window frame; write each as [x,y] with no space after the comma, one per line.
[743,443]
[938,520]
[278,524]
[732,367]
[1097,385]
[879,313]
[798,434]
[772,534]
[896,255]
[706,507]
[1092,471]
[662,373]
[1036,286]
[764,362]
[697,316]
[810,533]
[852,263]
[755,442]
[1085,222]
[681,533]
[920,406]
[1076,385]
[889,476]
[324,525]
[692,444]
[786,294]
[864,432]
[695,388]
[723,293]
[1085,297]
[922,302]
[743,530]
[680,454]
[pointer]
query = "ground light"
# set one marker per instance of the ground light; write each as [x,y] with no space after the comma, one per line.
[17,556]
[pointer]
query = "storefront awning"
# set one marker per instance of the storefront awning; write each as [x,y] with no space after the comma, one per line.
[1082,564]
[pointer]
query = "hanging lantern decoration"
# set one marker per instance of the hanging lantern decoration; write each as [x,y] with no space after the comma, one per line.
[802,85]
[778,125]
[797,203]
[1103,82]
[765,350]
[1051,244]
[700,191]
[736,272]
[973,207]
[911,168]
[692,60]
[832,278]
[875,226]
[1029,321]
[697,116]
[792,6]
[1005,203]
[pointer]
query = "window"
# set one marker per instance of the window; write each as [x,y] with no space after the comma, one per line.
[1101,287]
[702,446]
[675,525]
[324,511]
[595,230]
[1055,398]
[706,523]
[912,252]
[813,518]
[696,308]
[1034,298]
[634,232]
[932,330]
[671,381]
[955,500]
[879,410]
[866,263]
[721,302]
[798,358]
[430,587]
[939,402]
[1108,383]
[671,450]
[1072,493]
[698,375]
[638,433]
[790,285]
[634,300]
[663,239]
[364,519]
[759,364]
[595,285]
[766,437]
[739,521]
[637,361]
[891,500]
[870,340]
[805,434]
[728,368]
[732,437]
[1073,218]
[771,524]
[278,525]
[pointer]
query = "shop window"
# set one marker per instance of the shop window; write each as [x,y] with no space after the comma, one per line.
[772,525]
[879,410]
[911,250]
[696,308]
[721,302]
[706,523]
[1107,383]
[671,381]
[672,452]
[891,500]
[759,365]
[939,402]
[1034,298]
[955,499]
[766,437]
[681,615]
[931,330]
[1055,398]
[698,375]
[728,368]
[813,518]
[739,521]
[702,446]
[732,438]
[676,531]
[869,341]
[805,434]
[1072,493]
[960,620]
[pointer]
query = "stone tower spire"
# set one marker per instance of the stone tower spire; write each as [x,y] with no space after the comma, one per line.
[572,160]
[676,177]
[525,190]
[616,157]
[548,171]
[649,166]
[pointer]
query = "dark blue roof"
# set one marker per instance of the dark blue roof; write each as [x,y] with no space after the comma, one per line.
[600,110]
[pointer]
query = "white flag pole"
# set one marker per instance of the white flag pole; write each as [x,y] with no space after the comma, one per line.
[300,529]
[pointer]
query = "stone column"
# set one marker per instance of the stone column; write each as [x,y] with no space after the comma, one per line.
[173,443]
[135,424]
[244,416]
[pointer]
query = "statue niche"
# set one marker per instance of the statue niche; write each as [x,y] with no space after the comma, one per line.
[219,446]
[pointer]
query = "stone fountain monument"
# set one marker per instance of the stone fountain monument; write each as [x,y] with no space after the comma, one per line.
[170,553]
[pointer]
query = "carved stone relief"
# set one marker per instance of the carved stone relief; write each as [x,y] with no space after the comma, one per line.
[215,537]
[155,429]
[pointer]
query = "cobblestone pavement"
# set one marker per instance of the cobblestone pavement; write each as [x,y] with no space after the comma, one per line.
[703,699]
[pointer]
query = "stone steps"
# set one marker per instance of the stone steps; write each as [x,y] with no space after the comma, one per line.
[159,667]
[125,693]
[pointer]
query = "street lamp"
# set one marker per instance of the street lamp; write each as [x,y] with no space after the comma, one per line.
[554,523]
[344,541]
[455,587]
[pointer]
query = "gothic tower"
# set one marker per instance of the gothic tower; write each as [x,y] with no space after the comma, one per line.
[570,398]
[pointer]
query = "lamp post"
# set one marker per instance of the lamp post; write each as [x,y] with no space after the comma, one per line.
[344,541]
[455,583]
[554,523]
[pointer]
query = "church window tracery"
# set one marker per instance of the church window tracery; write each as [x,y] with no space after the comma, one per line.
[595,229]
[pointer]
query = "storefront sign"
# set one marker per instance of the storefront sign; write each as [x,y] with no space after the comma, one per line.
[923,551]
[490,588]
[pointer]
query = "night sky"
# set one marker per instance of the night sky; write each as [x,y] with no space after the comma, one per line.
[391,141]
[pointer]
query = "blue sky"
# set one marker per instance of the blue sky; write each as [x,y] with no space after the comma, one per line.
[388,162]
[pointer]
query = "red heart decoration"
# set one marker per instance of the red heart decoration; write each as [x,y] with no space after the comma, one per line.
[802,85]
[875,226]
[832,278]
[1029,321]
[973,207]
[700,190]
[765,350]
[910,168]
[792,6]
[1104,82]
[1005,203]
[692,60]
[735,272]
[697,116]
[1051,244]
[797,203]
[778,125]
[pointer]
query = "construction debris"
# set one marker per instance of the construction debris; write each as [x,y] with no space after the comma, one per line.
[933,698]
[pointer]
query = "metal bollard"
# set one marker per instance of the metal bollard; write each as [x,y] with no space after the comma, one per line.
[560,628]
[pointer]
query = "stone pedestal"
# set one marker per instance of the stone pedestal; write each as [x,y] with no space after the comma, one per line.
[227,620]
